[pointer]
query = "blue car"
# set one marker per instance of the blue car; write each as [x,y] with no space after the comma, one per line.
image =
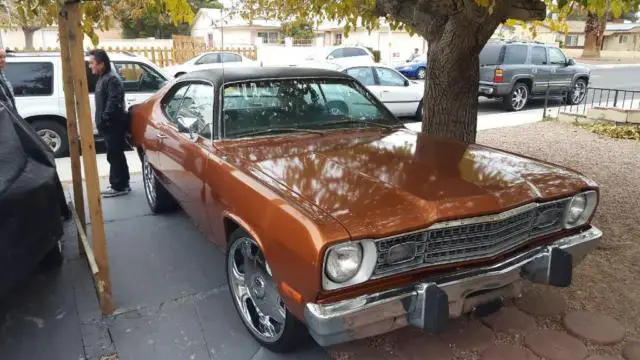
[416,69]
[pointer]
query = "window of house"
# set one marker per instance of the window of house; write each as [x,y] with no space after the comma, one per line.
[338,39]
[571,40]
[515,54]
[623,39]
[269,37]
[30,79]
[538,55]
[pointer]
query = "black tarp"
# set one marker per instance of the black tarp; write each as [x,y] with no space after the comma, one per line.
[32,201]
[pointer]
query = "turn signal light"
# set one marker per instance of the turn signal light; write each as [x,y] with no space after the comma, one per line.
[290,293]
[499,76]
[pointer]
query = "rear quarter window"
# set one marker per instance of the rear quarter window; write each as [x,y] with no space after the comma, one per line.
[490,54]
[515,54]
[30,78]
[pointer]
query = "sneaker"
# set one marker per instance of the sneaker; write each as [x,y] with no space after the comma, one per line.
[111,192]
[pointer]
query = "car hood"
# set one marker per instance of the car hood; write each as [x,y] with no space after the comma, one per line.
[379,184]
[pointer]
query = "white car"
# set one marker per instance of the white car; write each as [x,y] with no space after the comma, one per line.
[210,60]
[344,55]
[37,82]
[399,94]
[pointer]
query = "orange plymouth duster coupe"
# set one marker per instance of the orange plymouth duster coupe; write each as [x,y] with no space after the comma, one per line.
[339,220]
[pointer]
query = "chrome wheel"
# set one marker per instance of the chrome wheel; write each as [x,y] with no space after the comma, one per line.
[254,292]
[422,73]
[579,92]
[519,97]
[51,138]
[149,178]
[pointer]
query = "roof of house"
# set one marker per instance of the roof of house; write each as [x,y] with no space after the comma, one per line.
[577,26]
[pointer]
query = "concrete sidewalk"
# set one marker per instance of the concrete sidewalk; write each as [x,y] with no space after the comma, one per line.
[169,288]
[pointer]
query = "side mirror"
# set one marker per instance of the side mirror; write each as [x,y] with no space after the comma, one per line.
[571,62]
[187,122]
[406,82]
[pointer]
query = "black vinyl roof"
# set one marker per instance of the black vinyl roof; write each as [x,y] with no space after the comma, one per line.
[255,73]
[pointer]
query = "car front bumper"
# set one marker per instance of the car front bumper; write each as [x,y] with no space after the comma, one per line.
[430,303]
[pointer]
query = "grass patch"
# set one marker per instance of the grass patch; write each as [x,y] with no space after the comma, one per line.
[627,132]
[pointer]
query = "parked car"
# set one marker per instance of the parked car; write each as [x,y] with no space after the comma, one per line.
[343,55]
[339,219]
[210,60]
[416,69]
[521,71]
[38,84]
[399,94]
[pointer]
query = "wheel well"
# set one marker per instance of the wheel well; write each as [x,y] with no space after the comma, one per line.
[179,73]
[586,79]
[229,227]
[59,119]
[527,82]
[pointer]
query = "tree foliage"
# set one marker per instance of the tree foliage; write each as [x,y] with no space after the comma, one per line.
[15,17]
[298,29]
[99,15]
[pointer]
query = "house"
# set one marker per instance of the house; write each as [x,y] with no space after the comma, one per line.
[617,36]
[228,27]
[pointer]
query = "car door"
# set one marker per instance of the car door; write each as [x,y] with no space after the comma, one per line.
[185,151]
[541,69]
[561,77]
[396,92]
[139,81]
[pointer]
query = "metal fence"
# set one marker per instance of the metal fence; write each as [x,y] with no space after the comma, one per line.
[606,98]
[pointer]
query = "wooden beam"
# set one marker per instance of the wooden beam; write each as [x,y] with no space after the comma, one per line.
[103,281]
[72,125]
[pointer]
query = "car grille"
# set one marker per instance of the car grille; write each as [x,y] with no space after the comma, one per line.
[471,239]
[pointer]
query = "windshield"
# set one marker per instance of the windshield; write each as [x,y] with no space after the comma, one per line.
[251,108]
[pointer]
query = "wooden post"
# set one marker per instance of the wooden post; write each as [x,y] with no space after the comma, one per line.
[72,125]
[103,281]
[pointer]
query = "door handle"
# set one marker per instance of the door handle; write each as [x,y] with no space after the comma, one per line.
[161,136]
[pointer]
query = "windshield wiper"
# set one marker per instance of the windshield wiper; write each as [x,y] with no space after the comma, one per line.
[284,130]
[354,121]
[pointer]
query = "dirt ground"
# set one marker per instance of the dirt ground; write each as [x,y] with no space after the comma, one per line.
[608,280]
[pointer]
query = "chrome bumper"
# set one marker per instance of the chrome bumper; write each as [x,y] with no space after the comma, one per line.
[430,303]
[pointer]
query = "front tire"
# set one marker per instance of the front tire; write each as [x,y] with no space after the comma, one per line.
[517,99]
[54,135]
[158,198]
[422,73]
[577,94]
[257,299]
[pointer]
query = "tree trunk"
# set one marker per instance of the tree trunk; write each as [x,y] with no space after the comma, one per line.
[28,37]
[451,87]
[594,33]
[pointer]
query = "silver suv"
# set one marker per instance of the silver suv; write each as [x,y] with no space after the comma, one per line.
[37,83]
[521,71]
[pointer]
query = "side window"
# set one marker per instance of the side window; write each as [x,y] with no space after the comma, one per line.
[363,74]
[209,59]
[198,105]
[229,57]
[171,104]
[556,57]
[538,55]
[389,77]
[337,53]
[515,54]
[30,79]
[138,78]
[348,52]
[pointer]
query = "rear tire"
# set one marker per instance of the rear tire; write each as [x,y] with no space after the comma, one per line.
[517,98]
[422,73]
[419,111]
[158,198]
[54,135]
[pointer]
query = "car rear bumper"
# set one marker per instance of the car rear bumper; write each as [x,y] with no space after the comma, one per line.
[429,304]
[493,89]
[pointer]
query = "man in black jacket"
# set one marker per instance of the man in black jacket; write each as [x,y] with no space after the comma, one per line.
[111,121]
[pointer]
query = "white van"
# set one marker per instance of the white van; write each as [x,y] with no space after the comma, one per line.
[38,85]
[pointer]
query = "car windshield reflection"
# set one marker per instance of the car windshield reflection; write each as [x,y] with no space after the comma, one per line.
[262,107]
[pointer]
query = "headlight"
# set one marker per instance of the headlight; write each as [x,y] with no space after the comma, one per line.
[343,261]
[580,209]
[348,263]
